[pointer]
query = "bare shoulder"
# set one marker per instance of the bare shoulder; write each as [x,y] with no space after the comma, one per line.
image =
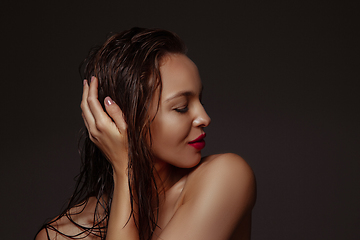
[218,194]
[62,225]
[226,175]
[226,162]
[60,228]
[225,167]
[50,231]
[42,235]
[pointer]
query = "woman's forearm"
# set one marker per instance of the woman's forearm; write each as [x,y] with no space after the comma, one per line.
[120,225]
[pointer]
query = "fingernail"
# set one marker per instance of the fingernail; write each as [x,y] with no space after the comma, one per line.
[92,78]
[85,82]
[108,101]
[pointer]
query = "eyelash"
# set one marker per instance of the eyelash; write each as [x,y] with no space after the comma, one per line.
[182,109]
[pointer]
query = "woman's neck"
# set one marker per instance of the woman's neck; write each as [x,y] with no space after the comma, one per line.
[167,175]
[164,175]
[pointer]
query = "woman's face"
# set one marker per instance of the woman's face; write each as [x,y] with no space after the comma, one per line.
[178,127]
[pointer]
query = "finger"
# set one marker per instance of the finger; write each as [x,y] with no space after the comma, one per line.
[85,121]
[94,105]
[87,115]
[88,128]
[116,114]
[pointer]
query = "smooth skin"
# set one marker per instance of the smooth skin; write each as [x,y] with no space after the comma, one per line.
[203,198]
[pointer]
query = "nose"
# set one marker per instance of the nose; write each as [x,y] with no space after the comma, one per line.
[201,119]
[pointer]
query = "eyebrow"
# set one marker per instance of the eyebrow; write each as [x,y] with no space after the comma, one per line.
[185,94]
[180,94]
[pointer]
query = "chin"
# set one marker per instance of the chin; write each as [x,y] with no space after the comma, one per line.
[191,161]
[181,160]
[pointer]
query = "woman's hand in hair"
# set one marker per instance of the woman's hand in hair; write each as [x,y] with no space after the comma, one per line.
[106,130]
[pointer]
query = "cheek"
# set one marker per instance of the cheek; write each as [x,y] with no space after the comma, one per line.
[170,130]
[169,136]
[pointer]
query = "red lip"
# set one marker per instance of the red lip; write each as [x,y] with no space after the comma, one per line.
[199,138]
[198,142]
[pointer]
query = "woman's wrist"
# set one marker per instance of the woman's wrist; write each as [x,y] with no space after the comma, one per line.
[120,175]
[119,164]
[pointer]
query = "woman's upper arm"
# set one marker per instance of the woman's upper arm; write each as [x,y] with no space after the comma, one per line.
[221,193]
[42,235]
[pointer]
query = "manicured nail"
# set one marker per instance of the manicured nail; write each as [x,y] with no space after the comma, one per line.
[85,82]
[92,78]
[108,101]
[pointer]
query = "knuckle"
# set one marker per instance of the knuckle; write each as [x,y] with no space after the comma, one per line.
[90,131]
[94,140]
[82,105]
[91,100]
[101,125]
[93,132]
[91,137]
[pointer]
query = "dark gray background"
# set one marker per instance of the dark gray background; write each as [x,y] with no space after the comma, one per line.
[281,86]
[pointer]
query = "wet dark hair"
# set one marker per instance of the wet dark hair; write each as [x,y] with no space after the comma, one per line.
[127,66]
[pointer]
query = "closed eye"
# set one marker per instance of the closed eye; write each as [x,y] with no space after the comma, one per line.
[182,109]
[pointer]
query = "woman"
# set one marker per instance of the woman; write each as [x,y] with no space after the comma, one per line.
[143,176]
